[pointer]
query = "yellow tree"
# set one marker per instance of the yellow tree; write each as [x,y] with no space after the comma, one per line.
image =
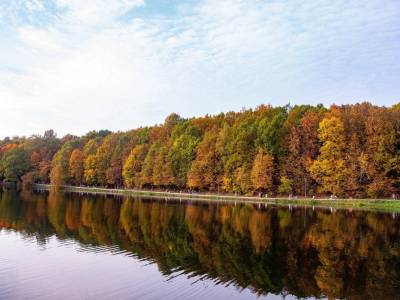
[206,168]
[330,168]
[76,166]
[57,176]
[243,178]
[133,166]
[90,170]
[162,171]
[262,171]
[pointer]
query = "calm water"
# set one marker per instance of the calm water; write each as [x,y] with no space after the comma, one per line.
[59,246]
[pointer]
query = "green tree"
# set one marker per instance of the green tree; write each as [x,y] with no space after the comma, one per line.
[60,174]
[146,174]
[162,169]
[185,138]
[285,186]
[14,164]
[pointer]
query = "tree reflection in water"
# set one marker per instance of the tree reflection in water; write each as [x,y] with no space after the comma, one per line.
[304,252]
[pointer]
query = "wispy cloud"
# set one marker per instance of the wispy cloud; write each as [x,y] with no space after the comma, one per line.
[87,67]
[96,12]
[34,5]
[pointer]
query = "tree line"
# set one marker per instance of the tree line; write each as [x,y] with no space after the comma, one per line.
[347,151]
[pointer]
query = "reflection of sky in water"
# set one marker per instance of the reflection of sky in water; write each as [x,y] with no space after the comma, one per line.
[30,270]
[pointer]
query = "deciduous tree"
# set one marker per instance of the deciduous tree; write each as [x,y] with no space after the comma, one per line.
[330,168]
[262,171]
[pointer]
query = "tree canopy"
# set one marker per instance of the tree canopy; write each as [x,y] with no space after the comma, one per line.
[348,150]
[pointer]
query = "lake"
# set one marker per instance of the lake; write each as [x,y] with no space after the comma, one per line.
[69,246]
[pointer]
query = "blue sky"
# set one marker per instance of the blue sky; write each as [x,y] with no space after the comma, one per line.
[75,65]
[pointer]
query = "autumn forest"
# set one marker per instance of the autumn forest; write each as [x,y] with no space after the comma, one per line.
[347,151]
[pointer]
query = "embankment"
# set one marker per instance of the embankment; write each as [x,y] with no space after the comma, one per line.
[364,204]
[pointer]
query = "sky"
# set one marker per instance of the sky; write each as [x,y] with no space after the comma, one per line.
[76,66]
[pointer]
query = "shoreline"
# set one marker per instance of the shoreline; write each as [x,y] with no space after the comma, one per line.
[386,205]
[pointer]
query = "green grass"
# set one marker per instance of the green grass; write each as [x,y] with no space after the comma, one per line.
[387,205]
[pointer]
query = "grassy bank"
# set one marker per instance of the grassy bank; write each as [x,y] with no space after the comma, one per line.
[387,205]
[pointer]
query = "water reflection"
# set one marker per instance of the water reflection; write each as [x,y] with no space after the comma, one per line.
[303,252]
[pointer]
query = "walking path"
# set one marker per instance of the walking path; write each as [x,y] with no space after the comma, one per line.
[376,204]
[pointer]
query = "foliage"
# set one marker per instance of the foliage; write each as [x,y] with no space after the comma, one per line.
[285,186]
[76,161]
[330,168]
[133,166]
[263,171]
[60,174]
[348,150]
[14,164]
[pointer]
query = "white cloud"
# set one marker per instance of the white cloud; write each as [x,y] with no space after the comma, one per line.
[97,11]
[45,40]
[34,5]
[87,70]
